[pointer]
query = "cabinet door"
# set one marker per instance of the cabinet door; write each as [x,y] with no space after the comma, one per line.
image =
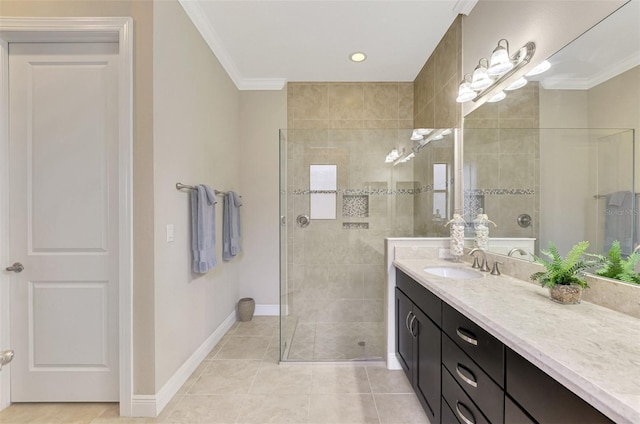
[513,414]
[404,338]
[428,363]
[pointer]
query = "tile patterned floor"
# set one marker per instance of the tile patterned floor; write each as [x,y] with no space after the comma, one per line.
[337,341]
[241,382]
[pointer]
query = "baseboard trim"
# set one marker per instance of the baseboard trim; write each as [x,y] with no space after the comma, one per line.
[267,310]
[152,405]
[392,362]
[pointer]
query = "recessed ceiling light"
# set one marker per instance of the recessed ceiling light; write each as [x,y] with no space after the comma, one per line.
[357,57]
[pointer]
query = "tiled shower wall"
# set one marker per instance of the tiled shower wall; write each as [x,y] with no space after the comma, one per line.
[335,268]
[435,89]
[501,161]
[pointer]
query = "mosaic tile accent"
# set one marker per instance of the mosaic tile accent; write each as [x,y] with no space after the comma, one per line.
[355,225]
[473,204]
[368,192]
[355,205]
[500,192]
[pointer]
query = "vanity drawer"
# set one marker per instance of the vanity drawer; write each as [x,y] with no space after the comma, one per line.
[461,405]
[546,400]
[430,304]
[447,416]
[476,383]
[482,347]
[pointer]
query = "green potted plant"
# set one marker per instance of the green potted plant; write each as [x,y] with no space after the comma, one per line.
[563,276]
[617,268]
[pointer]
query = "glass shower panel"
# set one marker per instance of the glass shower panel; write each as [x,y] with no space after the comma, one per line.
[332,284]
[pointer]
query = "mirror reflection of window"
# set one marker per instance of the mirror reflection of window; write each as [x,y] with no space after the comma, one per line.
[440,192]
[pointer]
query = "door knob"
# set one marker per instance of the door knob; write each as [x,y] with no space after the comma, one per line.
[16,267]
[5,357]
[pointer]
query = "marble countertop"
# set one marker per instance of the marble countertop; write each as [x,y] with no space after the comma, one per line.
[592,350]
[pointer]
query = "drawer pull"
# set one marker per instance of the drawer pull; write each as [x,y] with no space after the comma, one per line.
[411,326]
[471,381]
[467,336]
[464,419]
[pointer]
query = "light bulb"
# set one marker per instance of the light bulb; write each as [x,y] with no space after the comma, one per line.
[465,93]
[519,83]
[500,61]
[497,97]
[538,69]
[480,79]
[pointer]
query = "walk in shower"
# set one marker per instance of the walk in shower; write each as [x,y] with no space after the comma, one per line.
[342,192]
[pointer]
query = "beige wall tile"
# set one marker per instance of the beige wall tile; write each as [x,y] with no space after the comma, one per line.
[381,101]
[346,101]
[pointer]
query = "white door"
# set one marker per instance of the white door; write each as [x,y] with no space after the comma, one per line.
[63,147]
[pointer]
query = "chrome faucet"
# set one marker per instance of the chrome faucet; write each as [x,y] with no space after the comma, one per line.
[484,266]
[516,249]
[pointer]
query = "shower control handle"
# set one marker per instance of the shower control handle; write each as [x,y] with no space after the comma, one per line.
[524,220]
[303,220]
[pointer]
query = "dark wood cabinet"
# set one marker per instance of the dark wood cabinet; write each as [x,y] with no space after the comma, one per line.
[460,403]
[462,374]
[418,342]
[543,398]
[513,414]
[482,347]
[428,363]
[418,348]
[404,337]
[476,383]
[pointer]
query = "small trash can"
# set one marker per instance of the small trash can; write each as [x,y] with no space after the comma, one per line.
[246,308]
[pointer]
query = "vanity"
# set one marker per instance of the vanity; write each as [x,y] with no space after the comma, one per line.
[496,349]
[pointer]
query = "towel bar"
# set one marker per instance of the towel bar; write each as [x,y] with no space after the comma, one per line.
[180,186]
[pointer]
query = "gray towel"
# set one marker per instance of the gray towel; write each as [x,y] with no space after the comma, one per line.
[617,198]
[203,229]
[618,221]
[231,226]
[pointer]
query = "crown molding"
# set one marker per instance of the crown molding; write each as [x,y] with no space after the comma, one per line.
[211,37]
[464,7]
[262,84]
[559,83]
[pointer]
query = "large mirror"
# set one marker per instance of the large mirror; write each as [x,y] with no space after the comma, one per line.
[554,161]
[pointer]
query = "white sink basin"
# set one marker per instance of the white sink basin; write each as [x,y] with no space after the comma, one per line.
[453,272]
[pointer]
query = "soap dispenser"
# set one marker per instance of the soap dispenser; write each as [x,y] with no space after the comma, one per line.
[456,232]
[481,230]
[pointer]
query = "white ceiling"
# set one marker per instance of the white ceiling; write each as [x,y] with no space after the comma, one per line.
[263,44]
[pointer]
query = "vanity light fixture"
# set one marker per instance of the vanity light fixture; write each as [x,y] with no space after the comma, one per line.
[419,133]
[404,159]
[433,135]
[500,61]
[538,69]
[465,93]
[493,75]
[357,57]
[393,155]
[481,79]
